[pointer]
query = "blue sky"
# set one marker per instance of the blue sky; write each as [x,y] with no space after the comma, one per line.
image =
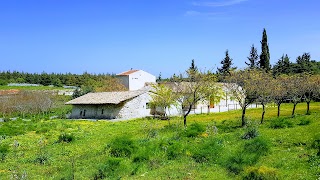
[111,36]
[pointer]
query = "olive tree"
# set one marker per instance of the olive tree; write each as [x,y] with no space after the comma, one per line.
[192,89]
[279,91]
[242,89]
[262,82]
[310,84]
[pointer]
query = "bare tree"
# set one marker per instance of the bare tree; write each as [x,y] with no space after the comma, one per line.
[192,89]
[279,91]
[295,91]
[240,85]
[310,84]
[262,81]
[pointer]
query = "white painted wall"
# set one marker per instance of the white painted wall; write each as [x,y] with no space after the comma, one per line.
[136,80]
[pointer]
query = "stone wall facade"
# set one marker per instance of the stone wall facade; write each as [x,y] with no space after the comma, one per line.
[133,108]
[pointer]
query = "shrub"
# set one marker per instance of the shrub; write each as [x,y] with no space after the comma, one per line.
[141,155]
[42,159]
[250,153]
[122,146]
[66,137]
[304,122]
[207,151]
[260,173]
[279,123]
[258,146]
[237,161]
[153,133]
[174,150]
[194,130]
[316,143]
[110,169]
[251,131]
[4,149]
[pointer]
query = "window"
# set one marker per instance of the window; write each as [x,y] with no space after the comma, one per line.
[84,113]
[147,105]
[101,111]
[80,113]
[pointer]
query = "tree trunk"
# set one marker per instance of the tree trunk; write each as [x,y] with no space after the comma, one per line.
[263,112]
[243,119]
[294,108]
[278,109]
[308,107]
[185,116]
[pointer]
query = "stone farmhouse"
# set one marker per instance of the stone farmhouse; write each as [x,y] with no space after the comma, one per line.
[133,103]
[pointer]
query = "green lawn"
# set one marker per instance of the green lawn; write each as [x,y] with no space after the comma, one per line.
[212,147]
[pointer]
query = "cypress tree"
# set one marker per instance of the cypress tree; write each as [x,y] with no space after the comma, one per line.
[265,55]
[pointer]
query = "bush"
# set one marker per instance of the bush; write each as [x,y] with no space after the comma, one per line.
[110,169]
[237,161]
[258,146]
[66,137]
[4,149]
[142,155]
[279,123]
[316,143]
[174,150]
[251,131]
[250,153]
[122,146]
[304,122]
[260,173]
[194,130]
[42,159]
[207,151]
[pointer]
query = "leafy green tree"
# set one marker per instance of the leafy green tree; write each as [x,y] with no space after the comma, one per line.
[304,63]
[162,99]
[283,66]
[265,55]
[81,91]
[253,58]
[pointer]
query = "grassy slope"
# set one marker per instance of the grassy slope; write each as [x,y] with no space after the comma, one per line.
[31,88]
[288,156]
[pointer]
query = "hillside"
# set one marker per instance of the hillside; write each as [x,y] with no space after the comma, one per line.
[212,147]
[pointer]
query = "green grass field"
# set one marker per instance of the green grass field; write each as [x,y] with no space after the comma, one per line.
[212,147]
[31,88]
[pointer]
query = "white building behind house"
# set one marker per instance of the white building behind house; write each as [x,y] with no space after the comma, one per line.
[135,79]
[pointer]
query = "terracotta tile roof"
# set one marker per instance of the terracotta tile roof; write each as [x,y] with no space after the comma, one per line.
[106,97]
[127,73]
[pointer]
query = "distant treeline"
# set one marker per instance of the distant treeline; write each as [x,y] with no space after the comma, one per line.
[55,79]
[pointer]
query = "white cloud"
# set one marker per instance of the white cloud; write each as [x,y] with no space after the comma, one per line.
[197,13]
[220,3]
